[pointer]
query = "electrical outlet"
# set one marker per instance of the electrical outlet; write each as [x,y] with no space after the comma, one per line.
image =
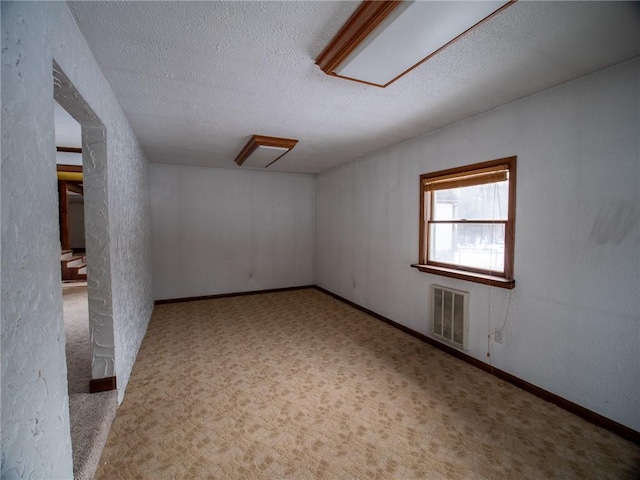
[498,337]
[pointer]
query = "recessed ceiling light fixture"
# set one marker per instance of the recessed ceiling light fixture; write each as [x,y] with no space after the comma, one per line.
[262,151]
[384,40]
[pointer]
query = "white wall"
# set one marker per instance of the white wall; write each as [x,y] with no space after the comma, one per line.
[35,417]
[223,231]
[126,251]
[573,324]
[35,411]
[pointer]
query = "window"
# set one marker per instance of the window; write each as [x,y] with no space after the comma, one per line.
[467,222]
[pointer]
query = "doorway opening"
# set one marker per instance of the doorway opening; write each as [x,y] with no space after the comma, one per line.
[85,274]
[68,135]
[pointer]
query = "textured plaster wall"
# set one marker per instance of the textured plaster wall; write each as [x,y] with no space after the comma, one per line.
[35,420]
[129,214]
[130,222]
[35,413]
[573,323]
[221,230]
[97,233]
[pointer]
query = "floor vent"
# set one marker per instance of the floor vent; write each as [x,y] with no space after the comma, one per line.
[450,315]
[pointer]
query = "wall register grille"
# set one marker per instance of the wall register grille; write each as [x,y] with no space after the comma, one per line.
[450,315]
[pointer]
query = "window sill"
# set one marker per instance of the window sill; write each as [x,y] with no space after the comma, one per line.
[469,276]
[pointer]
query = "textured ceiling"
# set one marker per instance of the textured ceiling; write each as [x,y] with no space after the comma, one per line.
[197,79]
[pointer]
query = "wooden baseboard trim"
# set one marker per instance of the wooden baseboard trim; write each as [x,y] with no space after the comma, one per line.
[227,295]
[102,384]
[561,402]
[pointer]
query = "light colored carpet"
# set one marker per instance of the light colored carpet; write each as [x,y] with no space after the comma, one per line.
[297,385]
[91,415]
[76,331]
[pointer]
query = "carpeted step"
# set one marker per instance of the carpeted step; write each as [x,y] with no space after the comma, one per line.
[69,267]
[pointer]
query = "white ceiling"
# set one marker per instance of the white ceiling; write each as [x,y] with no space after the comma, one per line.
[67,132]
[197,79]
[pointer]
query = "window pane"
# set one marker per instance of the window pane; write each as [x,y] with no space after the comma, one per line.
[469,245]
[478,202]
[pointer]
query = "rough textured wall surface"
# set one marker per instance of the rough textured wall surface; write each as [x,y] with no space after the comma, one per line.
[35,413]
[129,222]
[99,289]
[35,418]
[130,217]
[219,230]
[573,319]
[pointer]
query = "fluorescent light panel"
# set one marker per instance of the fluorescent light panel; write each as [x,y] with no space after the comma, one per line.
[410,33]
[262,151]
[263,156]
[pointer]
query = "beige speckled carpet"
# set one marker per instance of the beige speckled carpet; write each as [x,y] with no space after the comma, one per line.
[298,385]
